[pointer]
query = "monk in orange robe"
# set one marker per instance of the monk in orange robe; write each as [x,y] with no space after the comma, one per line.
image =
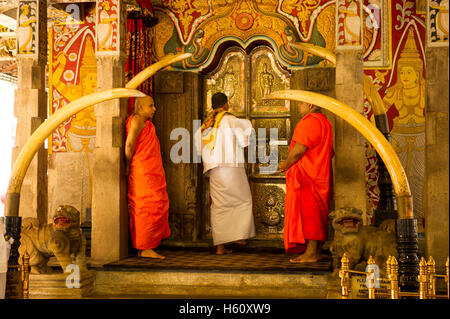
[148,201]
[309,180]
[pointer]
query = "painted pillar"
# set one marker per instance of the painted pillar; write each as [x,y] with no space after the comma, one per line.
[349,144]
[30,102]
[109,201]
[436,126]
[30,110]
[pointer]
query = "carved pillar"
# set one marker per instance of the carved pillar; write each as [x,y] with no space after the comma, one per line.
[408,262]
[436,201]
[109,201]
[30,102]
[349,143]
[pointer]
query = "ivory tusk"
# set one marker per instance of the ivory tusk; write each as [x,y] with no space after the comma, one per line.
[36,140]
[152,69]
[316,50]
[370,132]
[45,129]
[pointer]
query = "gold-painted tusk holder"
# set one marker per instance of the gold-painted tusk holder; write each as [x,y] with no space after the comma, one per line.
[427,279]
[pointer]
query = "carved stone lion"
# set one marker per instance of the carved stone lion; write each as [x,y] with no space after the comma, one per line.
[360,242]
[61,238]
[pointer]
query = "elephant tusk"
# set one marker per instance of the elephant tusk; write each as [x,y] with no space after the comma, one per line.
[373,96]
[45,129]
[152,69]
[370,132]
[316,50]
[36,140]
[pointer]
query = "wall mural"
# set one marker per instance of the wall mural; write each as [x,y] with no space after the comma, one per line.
[107,27]
[7,43]
[349,16]
[27,29]
[201,26]
[73,74]
[438,23]
[402,89]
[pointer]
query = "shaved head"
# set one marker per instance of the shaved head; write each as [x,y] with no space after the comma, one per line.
[142,101]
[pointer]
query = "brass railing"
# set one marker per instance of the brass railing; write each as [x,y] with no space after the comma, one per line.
[19,274]
[427,279]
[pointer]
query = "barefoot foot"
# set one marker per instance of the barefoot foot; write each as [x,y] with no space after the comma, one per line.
[150,253]
[221,250]
[304,259]
[242,242]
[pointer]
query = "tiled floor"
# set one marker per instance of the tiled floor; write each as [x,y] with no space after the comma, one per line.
[184,259]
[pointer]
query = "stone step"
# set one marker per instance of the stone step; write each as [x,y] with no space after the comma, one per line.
[61,286]
[208,284]
[190,273]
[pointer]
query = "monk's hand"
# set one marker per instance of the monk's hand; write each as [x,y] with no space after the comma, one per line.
[282,166]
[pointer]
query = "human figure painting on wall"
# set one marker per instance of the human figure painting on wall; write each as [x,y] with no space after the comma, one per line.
[349,17]
[407,96]
[107,26]
[27,26]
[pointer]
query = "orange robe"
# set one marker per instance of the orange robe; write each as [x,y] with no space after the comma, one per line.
[148,202]
[309,184]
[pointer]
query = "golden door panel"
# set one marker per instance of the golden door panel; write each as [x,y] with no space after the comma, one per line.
[229,79]
[261,167]
[266,77]
[281,124]
[269,210]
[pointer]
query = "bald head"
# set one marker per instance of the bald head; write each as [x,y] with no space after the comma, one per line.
[306,108]
[142,101]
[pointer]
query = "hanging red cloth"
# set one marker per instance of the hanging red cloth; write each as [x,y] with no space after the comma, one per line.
[139,47]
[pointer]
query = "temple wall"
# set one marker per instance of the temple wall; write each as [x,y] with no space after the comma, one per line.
[72,74]
[436,200]
[418,119]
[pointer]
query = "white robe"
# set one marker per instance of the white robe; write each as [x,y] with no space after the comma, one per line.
[231,209]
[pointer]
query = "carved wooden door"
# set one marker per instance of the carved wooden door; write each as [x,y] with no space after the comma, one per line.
[245,79]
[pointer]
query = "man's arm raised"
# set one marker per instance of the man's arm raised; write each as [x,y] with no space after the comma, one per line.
[137,124]
[294,155]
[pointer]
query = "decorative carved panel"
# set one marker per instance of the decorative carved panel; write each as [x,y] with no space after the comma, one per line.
[267,77]
[230,79]
[279,123]
[319,80]
[269,210]
[259,167]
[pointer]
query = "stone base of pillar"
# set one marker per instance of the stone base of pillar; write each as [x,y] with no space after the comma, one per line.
[13,225]
[408,261]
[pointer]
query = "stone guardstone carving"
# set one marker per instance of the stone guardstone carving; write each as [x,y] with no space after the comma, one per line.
[61,238]
[360,242]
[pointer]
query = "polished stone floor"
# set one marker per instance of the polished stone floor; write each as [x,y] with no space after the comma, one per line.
[239,260]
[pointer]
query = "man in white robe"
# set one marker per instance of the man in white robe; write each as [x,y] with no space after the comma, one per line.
[223,139]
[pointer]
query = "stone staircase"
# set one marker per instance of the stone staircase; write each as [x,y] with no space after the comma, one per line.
[191,274]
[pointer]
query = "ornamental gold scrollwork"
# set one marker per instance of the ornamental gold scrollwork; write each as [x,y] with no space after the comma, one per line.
[303,9]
